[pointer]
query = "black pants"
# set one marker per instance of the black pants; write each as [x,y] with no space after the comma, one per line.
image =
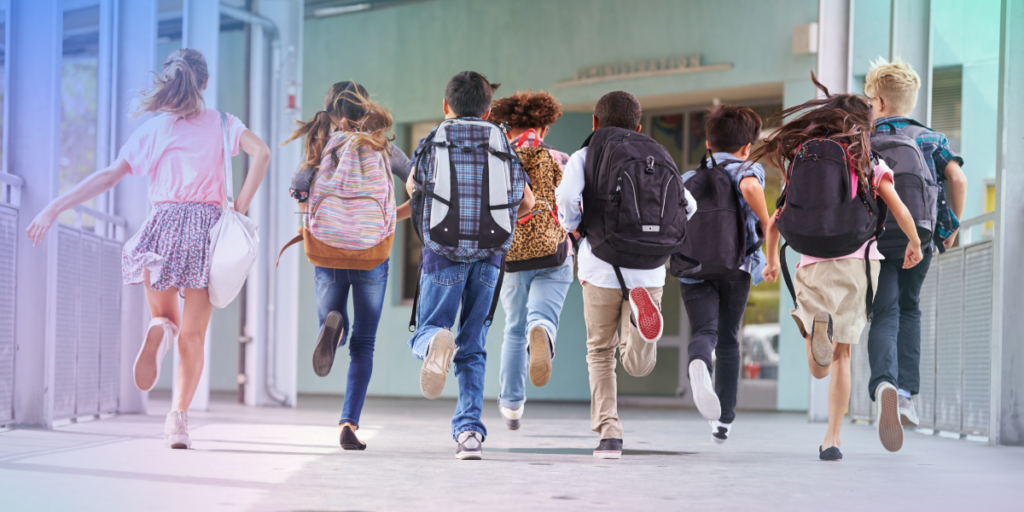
[894,341]
[715,309]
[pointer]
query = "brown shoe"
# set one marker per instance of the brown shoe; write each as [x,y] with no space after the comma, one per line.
[540,356]
[821,338]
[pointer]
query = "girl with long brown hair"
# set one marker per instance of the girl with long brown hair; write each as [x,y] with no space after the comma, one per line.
[181,150]
[350,158]
[831,292]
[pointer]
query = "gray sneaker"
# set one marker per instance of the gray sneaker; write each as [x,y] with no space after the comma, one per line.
[908,414]
[436,364]
[511,416]
[609,449]
[470,446]
[176,431]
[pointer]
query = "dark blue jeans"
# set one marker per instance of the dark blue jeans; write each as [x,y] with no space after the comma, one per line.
[368,286]
[715,309]
[441,293]
[894,340]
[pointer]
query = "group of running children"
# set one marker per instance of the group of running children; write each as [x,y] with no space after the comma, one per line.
[503,216]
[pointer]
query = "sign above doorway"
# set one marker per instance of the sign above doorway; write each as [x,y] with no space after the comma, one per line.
[641,68]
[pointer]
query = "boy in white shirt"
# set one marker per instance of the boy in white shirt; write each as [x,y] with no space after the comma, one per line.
[605,310]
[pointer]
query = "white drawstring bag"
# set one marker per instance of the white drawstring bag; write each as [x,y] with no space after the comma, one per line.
[232,240]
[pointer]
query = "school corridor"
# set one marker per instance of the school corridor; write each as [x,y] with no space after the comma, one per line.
[267,459]
[77,434]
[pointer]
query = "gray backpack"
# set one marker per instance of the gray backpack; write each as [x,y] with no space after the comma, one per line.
[915,183]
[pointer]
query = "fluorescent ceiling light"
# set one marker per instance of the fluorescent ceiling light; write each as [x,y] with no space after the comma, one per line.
[341,9]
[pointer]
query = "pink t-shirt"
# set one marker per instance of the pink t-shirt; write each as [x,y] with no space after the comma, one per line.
[184,158]
[882,172]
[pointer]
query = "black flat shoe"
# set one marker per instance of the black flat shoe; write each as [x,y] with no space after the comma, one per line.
[327,344]
[832,454]
[349,441]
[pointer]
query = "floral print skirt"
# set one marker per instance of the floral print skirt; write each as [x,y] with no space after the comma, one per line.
[174,244]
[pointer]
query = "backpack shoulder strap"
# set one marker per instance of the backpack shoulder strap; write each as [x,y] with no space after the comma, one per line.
[229,185]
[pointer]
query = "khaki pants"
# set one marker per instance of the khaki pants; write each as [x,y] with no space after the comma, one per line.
[607,314]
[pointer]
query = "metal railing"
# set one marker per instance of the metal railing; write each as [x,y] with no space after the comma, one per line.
[956,340]
[10,194]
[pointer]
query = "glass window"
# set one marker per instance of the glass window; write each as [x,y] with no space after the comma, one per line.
[698,140]
[3,117]
[79,95]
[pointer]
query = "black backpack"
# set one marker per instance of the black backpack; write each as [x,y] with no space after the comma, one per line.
[717,232]
[634,207]
[816,214]
[915,183]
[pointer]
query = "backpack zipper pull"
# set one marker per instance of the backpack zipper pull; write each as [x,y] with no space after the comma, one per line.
[650,165]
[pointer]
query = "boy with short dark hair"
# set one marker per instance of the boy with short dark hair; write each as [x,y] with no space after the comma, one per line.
[634,325]
[894,338]
[461,168]
[715,304]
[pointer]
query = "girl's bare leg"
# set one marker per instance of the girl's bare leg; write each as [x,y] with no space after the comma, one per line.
[817,370]
[838,394]
[190,346]
[162,303]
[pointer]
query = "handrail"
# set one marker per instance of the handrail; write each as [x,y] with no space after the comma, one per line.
[101,216]
[11,179]
[979,219]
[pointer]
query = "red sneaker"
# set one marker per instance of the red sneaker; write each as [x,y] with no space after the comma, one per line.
[645,314]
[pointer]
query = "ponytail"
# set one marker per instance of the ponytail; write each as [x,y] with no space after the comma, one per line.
[347,106]
[178,90]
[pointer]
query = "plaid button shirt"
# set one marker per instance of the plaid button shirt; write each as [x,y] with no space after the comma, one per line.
[937,155]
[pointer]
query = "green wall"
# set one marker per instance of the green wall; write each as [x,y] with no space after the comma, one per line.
[405,56]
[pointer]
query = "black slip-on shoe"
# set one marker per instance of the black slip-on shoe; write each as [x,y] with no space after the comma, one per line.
[831,454]
[327,344]
[349,441]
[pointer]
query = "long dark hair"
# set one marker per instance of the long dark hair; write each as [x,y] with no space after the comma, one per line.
[347,105]
[842,117]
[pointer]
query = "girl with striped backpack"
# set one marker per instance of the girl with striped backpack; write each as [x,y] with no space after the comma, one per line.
[348,226]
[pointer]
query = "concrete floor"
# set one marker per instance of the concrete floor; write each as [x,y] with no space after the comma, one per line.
[284,460]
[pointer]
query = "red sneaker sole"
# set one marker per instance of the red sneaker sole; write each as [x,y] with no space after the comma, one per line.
[648,318]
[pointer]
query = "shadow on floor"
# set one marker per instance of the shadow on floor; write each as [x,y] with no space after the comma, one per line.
[581,451]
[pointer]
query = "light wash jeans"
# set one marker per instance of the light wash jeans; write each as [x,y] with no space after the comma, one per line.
[530,298]
[442,292]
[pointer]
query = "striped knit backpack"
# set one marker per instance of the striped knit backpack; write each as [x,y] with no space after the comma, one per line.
[350,215]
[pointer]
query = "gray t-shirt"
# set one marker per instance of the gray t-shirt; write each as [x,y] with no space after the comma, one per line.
[303,177]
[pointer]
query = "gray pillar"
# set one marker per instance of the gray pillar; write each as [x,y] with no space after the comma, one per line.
[1009,225]
[910,37]
[33,71]
[835,71]
[134,47]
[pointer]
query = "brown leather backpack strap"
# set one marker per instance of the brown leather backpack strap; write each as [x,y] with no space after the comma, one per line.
[293,241]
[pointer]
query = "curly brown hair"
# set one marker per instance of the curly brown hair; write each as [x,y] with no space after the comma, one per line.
[526,110]
[841,117]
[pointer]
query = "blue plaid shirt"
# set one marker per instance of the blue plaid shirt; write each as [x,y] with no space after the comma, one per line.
[468,165]
[937,155]
[739,170]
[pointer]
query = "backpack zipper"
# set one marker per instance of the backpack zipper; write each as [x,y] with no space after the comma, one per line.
[316,205]
[636,202]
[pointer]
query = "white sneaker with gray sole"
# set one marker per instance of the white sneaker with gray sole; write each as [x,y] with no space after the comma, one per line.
[511,416]
[704,391]
[470,446]
[908,413]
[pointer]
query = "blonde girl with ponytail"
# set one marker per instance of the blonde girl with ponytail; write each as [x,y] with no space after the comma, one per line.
[352,125]
[180,150]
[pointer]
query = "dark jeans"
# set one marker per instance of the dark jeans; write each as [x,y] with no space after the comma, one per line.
[464,290]
[368,286]
[894,341]
[715,309]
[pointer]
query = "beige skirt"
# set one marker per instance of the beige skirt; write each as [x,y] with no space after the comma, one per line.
[839,287]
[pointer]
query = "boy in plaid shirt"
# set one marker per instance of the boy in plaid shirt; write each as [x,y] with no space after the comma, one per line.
[894,340]
[446,284]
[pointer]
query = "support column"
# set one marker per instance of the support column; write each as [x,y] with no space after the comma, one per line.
[1009,227]
[134,48]
[201,31]
[34,76]
[910,38]
[835,71]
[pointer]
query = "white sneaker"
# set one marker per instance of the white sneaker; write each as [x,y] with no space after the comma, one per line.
[176,431]
[704,391]
[511,416]
[890,430]
[720,431]
[159,338]
[436,364]
[470,446]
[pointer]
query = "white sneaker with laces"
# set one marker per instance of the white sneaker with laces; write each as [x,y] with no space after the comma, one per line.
[176,431]
[704,391]
[159,338]
[470,446]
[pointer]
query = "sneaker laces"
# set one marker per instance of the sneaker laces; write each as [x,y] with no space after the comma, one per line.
[177,422]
